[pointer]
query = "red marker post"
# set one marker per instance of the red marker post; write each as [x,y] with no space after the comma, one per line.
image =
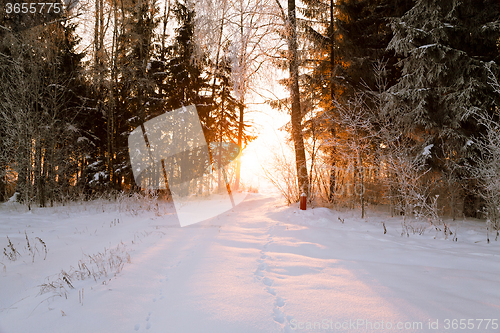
[303,201]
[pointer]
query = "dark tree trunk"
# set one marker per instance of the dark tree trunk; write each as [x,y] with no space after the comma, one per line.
[240,142]
[333,170]
[300,154]
[3,187]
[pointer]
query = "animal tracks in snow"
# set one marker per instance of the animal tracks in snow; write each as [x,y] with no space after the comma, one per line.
[267,281]
[263,269]
[271,291]
[160,296]
[279,316]
[279,302]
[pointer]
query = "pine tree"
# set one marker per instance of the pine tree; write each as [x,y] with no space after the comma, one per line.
[41,100]
[363,34]
[345,40]
[319,83]
[185,83]
[225,105]
[131,101]
[67,95]
[446,49]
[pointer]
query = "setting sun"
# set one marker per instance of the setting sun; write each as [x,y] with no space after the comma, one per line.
[259,155]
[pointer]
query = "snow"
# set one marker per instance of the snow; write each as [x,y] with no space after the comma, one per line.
[99,174]
[260,267]
[426,46]
[81,139]
[14,197]
[72,128]
[427,150]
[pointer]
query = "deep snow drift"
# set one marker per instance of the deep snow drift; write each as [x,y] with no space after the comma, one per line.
[261,267]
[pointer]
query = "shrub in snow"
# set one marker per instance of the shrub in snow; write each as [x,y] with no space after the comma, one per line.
[10,251]
[33,247]
[487,169]
[283,174]
[103,264]
[409,179]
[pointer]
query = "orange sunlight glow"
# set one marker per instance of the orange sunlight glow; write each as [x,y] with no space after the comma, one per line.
[259,153]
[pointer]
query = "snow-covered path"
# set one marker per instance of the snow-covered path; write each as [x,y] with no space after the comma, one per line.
[263,267]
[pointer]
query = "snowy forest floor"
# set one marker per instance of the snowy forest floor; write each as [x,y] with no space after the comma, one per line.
[262,267]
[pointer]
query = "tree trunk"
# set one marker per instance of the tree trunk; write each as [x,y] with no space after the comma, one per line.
[166,15]
[241,106]
[333,167]
[332,96]
[39,179]
[240,142]
[313,158]
[298,140]
[362,183]
[2,186]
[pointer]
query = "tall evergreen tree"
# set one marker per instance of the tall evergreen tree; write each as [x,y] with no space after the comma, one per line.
[40,103]
[446,49]
[319,88]
[185,83]
[225,106]
[363,34]
[131,101]
[345,39]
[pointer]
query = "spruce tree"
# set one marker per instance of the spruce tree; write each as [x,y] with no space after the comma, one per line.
[133,96]
[185,82]
[346,39]
[224,113]
[363,34]
[41,100]
[446,50]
